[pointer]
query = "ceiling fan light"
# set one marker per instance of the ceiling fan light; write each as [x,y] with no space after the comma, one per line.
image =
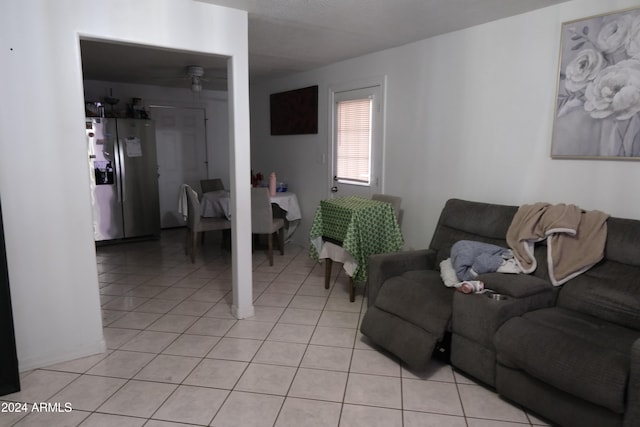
[196,86]
[195,71]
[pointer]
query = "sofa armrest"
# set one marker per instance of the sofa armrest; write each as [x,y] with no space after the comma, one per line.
[632,413]
[515,285]
[380,267]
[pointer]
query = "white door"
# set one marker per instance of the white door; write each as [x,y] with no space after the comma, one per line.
[356,149]
[182,156]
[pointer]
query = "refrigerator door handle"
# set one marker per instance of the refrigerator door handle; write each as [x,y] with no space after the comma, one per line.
[122,194]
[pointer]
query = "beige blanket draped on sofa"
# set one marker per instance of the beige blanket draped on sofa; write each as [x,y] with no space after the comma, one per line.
[575,238]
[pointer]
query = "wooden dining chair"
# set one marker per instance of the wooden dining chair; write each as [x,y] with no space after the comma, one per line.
[208,185]
[263,222]
[196,224]
[395,203]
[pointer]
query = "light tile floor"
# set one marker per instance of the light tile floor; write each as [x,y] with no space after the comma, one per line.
[176,356]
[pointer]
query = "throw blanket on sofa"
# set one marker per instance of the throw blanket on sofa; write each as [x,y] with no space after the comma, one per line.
[470,258]
[575,238]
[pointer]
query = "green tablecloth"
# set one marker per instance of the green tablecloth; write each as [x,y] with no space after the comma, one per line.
[364,226]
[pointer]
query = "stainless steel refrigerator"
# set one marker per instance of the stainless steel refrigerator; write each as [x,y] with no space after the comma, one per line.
[124,178]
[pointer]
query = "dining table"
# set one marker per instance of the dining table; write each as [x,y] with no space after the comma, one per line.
[217,204]
[360,226]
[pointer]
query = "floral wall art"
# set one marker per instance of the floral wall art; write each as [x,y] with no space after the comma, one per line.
[598,99]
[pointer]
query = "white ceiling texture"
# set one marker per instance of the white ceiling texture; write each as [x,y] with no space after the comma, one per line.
[288,36]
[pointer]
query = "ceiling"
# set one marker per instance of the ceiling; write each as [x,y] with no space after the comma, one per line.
[289,36]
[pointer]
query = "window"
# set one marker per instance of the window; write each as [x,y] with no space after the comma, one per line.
[356,112]
[353,140]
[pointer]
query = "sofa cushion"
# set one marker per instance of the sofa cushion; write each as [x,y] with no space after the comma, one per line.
[622,241]
[609,291]
[418,297]
[576,353]
[465,220]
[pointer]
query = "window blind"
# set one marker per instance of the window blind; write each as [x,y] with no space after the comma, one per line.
[353,140]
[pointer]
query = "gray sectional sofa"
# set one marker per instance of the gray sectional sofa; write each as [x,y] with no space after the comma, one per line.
[570,354]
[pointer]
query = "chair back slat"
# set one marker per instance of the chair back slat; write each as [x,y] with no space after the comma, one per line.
[193,212]
[208,185]
[395,202]
[261,211]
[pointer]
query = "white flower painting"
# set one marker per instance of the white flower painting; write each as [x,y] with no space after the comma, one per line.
[598,102]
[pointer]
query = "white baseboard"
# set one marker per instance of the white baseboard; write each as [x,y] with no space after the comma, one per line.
[40,361]
[242,313]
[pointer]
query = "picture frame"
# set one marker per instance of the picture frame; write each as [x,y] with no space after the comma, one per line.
[597,111]
[294,112]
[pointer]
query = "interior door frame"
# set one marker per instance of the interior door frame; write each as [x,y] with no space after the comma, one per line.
[9,370]
[379,171]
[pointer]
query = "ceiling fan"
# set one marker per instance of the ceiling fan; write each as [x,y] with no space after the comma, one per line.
[196,74]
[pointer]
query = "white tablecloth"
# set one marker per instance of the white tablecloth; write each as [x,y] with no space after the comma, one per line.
[288,202]
[216,204]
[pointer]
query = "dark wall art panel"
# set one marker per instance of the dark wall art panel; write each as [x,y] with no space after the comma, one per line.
[295,112]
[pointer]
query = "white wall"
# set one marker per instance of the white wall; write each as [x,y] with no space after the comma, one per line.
[468,114]
[43,175]
[213,102]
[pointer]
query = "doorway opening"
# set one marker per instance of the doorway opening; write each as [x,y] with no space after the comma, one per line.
[181,92]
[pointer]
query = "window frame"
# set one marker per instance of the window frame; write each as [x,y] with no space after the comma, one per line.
[376,85]
[336,157]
